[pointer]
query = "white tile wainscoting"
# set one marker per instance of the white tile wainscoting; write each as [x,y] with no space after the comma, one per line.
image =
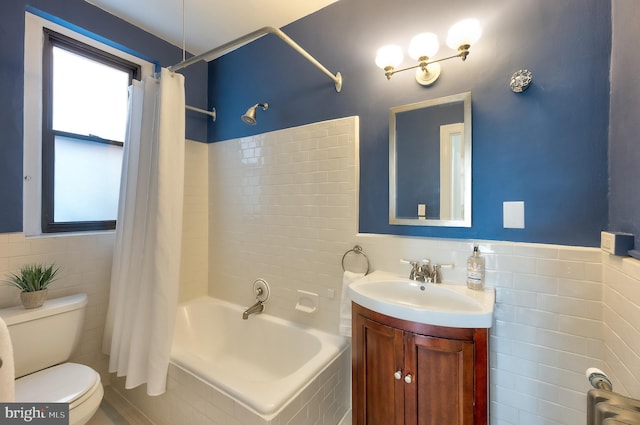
[283,206]
[621,323]
[559,309]
[85,267]
[85,261]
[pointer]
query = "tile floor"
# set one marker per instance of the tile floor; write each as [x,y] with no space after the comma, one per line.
[115,410]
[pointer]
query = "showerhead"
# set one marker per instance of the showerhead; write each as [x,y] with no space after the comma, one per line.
[249,117]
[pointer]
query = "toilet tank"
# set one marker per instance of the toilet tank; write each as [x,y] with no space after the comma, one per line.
[47,335]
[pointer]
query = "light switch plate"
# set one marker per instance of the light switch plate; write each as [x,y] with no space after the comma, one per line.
[422,210]
[513,214]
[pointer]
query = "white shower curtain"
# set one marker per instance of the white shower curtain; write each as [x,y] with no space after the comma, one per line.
[146,260]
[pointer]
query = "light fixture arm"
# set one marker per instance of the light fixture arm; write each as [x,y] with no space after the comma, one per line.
[463,52]
[461,36]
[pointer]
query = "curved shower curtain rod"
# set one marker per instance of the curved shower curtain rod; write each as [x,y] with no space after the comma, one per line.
[337,79]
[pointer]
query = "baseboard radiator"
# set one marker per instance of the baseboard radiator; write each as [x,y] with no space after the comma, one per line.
[605,407]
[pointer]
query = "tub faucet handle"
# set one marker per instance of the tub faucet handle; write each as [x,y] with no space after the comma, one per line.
[261,289]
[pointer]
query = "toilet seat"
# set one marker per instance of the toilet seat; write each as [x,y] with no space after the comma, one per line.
[72,383]
[65,383]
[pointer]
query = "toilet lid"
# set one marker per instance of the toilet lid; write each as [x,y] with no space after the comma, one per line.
[63,383]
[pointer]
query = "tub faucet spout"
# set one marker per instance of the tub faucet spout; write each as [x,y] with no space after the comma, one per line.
[258,307]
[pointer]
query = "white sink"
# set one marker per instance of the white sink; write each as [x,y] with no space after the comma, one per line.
[441,304]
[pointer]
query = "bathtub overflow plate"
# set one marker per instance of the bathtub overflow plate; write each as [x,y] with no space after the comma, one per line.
[261,289]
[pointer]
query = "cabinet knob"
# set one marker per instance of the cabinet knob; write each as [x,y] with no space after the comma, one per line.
[398,375]
[408,379]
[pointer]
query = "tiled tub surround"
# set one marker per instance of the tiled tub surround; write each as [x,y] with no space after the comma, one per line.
[191,401]
[262,362]
[282,206]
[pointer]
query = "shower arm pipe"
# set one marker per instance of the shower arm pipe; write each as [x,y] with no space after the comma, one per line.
[212,112]
[337,79]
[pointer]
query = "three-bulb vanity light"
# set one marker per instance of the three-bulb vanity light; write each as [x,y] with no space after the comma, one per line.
[424,46]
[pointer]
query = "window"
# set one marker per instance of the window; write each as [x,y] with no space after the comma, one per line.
[84,124]
[75,116]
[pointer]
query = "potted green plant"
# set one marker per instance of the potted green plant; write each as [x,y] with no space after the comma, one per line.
[33,281]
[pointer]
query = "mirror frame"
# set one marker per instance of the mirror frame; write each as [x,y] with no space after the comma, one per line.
[465,98]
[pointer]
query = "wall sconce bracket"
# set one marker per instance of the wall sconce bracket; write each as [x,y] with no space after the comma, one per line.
[428,75]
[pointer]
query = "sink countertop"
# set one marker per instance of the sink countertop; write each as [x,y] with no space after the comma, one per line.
[441,304]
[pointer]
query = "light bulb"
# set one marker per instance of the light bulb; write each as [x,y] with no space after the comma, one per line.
[423,44]
[465,32]
[389,55]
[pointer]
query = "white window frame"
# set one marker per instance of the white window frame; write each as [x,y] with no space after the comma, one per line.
[32,156]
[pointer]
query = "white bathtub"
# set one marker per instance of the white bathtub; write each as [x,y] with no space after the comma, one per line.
[263,362]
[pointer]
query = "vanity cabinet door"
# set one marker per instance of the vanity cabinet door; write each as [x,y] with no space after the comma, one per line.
[416,374]
[441,388]
[377,355]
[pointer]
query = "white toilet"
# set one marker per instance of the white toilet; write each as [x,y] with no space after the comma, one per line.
[43,339]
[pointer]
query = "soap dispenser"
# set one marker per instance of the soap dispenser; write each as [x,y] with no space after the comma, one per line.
[475,270]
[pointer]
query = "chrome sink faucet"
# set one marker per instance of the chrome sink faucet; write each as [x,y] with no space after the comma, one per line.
[420,271]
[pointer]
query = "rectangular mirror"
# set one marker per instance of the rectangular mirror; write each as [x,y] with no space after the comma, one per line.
[430,162]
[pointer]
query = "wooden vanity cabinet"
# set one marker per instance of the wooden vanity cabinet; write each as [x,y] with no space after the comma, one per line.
[407,373]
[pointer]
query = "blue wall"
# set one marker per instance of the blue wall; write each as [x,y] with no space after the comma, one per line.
[547,146]
[624,147]
[92,19]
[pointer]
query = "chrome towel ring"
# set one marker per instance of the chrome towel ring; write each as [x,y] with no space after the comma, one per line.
[357,250]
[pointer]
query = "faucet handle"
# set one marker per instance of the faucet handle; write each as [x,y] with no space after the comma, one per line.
[437,272]
[415,266]
[415,263]
[426,267]
[261,290]
[416,269]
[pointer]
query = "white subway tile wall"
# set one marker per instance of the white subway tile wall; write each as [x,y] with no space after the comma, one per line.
[548,320]
[621,305]
[85,267]
[283,206]
[85,261]
[194,268]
